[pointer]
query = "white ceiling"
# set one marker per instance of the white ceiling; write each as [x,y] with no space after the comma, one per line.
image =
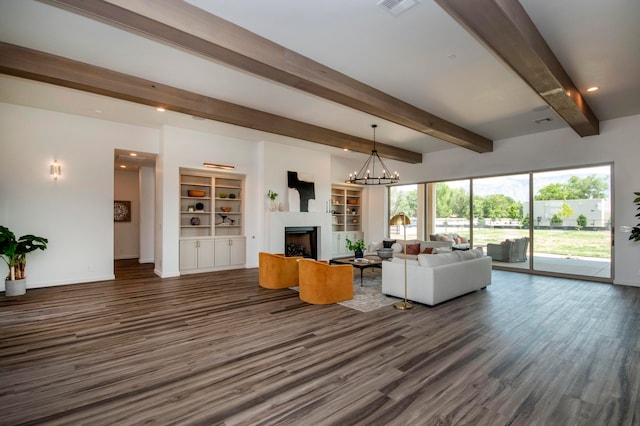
[422,57]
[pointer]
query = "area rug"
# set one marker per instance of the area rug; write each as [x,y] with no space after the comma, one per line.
[367,297]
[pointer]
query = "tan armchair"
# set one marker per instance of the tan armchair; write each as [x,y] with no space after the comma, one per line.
[322,283]
[277,270]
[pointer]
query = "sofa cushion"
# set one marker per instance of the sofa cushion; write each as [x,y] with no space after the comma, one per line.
[388,243]
[427,250]
[431,261]
[413,248]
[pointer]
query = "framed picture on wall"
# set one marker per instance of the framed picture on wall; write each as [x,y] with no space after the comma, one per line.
[122,211]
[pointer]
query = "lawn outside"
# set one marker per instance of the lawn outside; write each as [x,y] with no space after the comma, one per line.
[561,242]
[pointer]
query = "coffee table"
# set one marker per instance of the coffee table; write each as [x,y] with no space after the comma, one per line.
[370,262]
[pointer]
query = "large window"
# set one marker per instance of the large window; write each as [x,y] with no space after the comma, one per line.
[553,221]
[407,199]
[572,221]
[500,214]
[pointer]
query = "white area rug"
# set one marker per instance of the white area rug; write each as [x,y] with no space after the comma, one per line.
[369,297]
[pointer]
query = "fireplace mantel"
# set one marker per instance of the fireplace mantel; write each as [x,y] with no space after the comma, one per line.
[278,221]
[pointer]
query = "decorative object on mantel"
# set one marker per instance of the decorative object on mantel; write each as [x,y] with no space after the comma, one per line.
[402,219]
[367,174]
[273,196]
[635,231]
[281,207]
[357,248]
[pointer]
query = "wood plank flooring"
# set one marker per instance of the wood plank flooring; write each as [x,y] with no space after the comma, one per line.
[215,348]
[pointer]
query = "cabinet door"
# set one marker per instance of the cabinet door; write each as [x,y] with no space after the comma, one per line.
[188,255]
[205,253]
[237,251]
[222,252]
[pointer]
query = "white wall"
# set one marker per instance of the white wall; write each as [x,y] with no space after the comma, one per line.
[189,149]
[147,214]
[278,159]
[126,235]
[75,212]
[619,142]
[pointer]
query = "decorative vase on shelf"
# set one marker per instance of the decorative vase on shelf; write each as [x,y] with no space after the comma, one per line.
[272,206]
[281,207]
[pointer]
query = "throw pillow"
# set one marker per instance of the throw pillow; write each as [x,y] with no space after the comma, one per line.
[428,250]
[444,238]
[388,243]
[458,240]
[463,240]
[413,248]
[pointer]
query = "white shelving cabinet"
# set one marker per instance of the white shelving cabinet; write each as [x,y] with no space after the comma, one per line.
[211,221]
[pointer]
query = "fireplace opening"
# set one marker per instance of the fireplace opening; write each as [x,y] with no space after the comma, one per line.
[301,241]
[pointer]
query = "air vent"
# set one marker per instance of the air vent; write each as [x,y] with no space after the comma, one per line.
[542,120]
[396,7]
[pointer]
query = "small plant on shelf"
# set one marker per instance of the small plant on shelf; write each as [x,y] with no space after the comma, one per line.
[272,195]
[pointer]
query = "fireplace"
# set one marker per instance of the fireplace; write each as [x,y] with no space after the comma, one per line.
[301,241]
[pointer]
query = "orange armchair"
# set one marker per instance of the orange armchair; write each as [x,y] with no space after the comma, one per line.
[321,283]
[277,270]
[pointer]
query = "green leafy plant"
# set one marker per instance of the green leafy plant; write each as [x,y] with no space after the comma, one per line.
[581,221]
[272,195]
[635,231]
[14,251]
[358,245]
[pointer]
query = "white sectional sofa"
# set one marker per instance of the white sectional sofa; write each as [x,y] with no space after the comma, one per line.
[433,279]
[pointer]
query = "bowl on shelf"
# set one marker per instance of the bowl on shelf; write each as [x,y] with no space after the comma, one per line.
[225,209]
[352,201]
[196,193]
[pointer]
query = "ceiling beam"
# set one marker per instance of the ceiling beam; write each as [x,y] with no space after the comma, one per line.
[504,27]
[180,24]
[40,66]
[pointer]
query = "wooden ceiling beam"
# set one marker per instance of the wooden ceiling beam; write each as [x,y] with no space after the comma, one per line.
[504,27]
[182,25]
[40,66]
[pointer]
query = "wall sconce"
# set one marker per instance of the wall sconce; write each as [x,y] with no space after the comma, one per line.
[55,170]
[218,166]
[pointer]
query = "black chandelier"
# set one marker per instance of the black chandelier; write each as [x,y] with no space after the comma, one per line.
[367,174]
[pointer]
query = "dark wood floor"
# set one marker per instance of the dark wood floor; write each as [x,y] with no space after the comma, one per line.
[215,348]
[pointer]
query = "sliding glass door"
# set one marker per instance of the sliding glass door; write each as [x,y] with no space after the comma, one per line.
[556,222]
[572,221]
[500,220]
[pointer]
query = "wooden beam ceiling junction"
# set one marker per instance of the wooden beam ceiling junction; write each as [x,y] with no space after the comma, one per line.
[182,25]
[40,66]
[504,27]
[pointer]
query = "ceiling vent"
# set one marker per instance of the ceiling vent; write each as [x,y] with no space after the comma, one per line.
[396,7]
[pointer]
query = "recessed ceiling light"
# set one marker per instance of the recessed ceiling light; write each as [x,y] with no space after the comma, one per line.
[133,154]
[98,111]
[593,89]
[345,149]
[160,109]
[122,166]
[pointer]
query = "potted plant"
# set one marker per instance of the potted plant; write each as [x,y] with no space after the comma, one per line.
[14,253]
[635,231]
[357,247]
[273,196]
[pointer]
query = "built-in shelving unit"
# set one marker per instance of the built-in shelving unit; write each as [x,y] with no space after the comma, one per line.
[346,217]
[211,221]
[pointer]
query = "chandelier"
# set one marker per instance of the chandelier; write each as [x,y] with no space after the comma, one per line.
[370,174]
